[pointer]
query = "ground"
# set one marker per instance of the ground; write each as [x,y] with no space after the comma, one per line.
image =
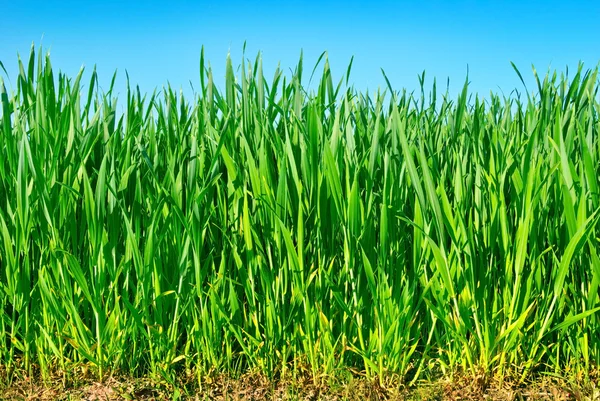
[257,387]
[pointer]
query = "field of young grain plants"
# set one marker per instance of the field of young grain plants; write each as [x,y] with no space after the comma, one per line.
[264,227]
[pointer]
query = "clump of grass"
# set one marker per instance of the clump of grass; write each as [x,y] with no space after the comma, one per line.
[265,228]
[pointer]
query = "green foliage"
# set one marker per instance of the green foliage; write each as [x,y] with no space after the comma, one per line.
[273,229]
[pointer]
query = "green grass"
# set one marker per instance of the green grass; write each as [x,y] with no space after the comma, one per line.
[264,228]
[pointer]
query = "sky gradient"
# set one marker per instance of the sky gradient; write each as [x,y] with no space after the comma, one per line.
[159,42]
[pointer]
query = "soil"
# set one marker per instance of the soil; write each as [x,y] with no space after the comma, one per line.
[258,387]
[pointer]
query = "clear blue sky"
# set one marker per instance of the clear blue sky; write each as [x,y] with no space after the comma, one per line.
[160,41]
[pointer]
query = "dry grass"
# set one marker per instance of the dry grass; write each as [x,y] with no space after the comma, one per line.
[255,386]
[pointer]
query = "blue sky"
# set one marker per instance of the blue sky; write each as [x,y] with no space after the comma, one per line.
[158,42]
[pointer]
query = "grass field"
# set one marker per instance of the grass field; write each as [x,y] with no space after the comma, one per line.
[263,228]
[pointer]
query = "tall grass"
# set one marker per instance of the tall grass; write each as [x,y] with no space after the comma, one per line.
[264,227]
